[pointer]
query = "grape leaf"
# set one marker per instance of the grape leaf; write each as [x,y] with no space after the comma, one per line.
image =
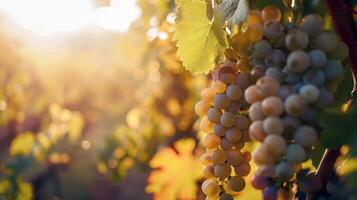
[175,172]
[201,41]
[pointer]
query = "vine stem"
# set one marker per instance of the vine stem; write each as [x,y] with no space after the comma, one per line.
[345,26]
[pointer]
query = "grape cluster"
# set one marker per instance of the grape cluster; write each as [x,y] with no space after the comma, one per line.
[226,131]
[296,69]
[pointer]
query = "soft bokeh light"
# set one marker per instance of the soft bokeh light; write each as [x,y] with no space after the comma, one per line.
[45,17]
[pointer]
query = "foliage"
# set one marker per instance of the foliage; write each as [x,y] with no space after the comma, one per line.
[200,40]
[176,172]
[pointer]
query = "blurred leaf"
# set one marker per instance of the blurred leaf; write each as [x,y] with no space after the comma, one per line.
[338,127]
[316,155]
[75,126]
[24,190]
[201,41]
[171,178]
[345,86]
[22,144]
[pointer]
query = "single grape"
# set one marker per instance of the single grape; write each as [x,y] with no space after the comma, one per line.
[221,101]
[312,24]
[208,171]
[242,122]
[254,17]
[272,106]
[211,141]
[318,58]
[222,171]
[291,124]
[273,125]
[242,170]
[274,72]
[340,52]
[295,105]
[326,41]
[306,136]
[219,156]
[268,86]
[296,40]
[295,153]
[205,125]
[298,61]
[284,170]
[235,157]
[270,193]
[234,107]
[333,70]
[226,73]
[234,92]
[285,91]
[257,72]
[271,12]
[206,159]
[228,119]
[256,131]
[273,30]
[275,144]
[259,182]
[247,156]
[214,115]
[219,130]
[254,32]
[261,156]
[208,94]
[290,77]
[309,92]
[242,80]
[256,111]
[309,116]
[226,144]
[276,58]
[202,108]
[236,183]
[262,49]
[314,77]
[233,134]
[210,188]
[219,86]
[252,95]
[325,99]
[225,196]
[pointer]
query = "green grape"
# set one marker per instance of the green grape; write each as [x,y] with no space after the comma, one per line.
[233,135]
[340,52]
[211,141]
[275,144]
[221,101]
[208,94]
[295,153]
[214,115]
[228,119]
[234,92]
[273,125]
[236,183]
[205,125]
[202,108]
[326,41]
[222,171]
[219,156]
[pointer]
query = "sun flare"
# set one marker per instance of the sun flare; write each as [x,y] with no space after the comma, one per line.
[44,17]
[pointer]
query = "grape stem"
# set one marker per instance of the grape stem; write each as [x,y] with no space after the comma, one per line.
[345,26]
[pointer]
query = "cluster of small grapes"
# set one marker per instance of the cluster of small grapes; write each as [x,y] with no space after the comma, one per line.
[227,131]
[297,69]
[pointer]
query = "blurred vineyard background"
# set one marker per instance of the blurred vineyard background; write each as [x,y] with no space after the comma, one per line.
[97,114]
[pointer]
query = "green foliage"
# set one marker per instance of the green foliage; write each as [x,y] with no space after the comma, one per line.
[201,41]
[338,127]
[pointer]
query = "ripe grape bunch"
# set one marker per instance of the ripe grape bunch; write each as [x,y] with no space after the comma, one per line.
[226,133]
[297,68]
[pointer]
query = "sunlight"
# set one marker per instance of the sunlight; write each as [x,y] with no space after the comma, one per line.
[46,17]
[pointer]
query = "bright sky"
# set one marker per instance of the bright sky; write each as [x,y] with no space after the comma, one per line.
[53,16]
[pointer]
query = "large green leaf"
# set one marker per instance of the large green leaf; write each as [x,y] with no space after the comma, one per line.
[201,41]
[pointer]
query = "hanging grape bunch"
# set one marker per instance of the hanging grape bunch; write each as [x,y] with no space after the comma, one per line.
[297,68]
[226,131]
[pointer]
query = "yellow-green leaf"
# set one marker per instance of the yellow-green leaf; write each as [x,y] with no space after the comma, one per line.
[201,41]
[171,178]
